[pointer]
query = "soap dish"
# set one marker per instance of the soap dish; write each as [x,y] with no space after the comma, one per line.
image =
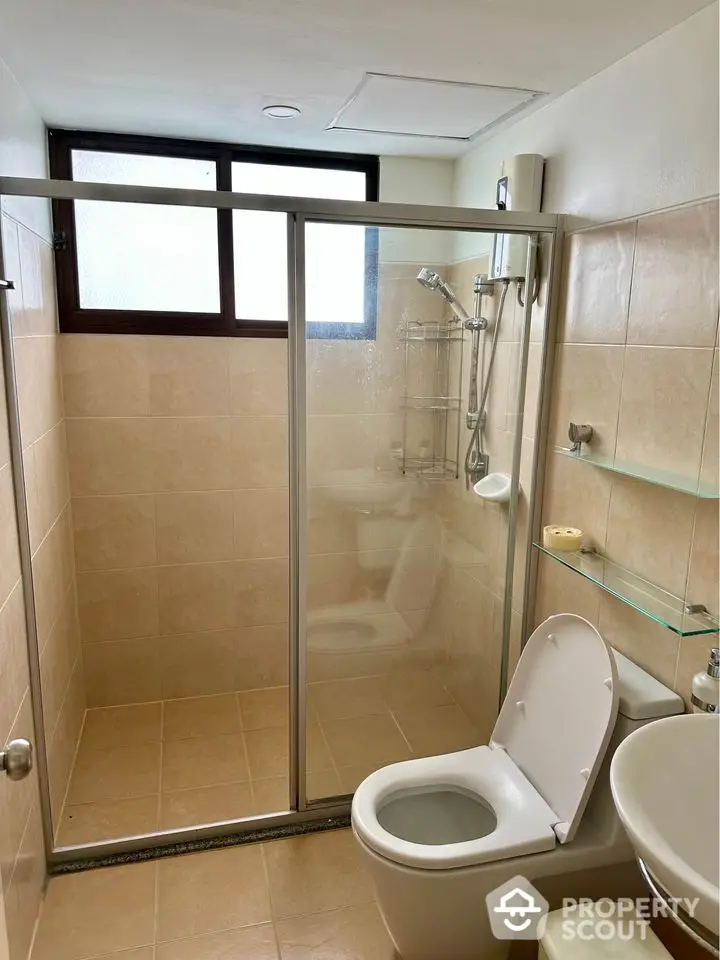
[495,487]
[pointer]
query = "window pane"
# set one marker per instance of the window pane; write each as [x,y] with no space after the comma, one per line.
[260,245]
[135,256]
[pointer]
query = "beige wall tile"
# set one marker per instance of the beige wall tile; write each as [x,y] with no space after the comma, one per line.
[105,376]
[710,467]
[261,592]
[114,531]
[644,642]
[649,531]
[63,744]
[663,408]
[562,591]
[191,454]
[598,267]
[341,376]
[93,913]
[198,664]
[258,377]
[259,452]
[209,892]
[110,456]
[58,659]
[37,371]
[674,299]
[261,657]
[261,523]
[38,285]
[341,443]
[189,376]
[194,527]
[370,739]
[53,569]
[196,597]
[13,657]
[24,893]
[587,388]
[11,267]
[118,604]
[9,550]
[264,708]
[703,583]
[122,672]
[47,481]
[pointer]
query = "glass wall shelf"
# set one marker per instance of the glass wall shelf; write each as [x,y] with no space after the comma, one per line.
[645,597]
[662,478]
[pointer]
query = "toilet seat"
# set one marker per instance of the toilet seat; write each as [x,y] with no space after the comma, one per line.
[538,771]
[524,820]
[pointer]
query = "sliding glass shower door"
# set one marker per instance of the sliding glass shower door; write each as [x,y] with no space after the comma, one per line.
[403,595]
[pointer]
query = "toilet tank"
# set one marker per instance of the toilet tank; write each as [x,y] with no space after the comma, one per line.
[642,700]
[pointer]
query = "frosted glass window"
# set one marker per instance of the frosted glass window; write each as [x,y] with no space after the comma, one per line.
[335,255]
[133,256]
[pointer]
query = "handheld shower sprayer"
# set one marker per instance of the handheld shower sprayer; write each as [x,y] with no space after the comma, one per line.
[433,281]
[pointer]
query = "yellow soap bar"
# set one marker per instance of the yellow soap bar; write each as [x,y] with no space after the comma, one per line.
[556,537]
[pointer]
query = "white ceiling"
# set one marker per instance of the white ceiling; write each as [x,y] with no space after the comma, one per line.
[205,68]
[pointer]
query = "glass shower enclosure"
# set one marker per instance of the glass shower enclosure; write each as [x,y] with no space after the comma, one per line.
[393,598]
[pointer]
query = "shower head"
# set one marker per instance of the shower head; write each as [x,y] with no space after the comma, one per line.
[433,281]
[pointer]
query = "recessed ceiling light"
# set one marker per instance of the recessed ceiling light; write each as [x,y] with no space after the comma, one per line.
[281,111]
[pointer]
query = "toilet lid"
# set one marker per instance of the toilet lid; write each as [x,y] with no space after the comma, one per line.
[559,713]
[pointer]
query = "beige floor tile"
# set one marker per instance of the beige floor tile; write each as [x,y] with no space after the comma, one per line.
[341,699]
[189,808]
[437,730]
[351,933]
[264,708]
[203,761]
[270,795]
[268,752]
[107,727]
[321,871]
[365,740]
[140,953]
[108,819]
[94,913]
[352,776]
[414,689]
[249,943]
[132,771]
[210,892]
[200,717]
[323,783]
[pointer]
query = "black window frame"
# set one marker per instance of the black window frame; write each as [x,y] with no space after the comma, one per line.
[74,319]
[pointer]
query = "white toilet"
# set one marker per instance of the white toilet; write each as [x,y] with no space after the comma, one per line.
[440,833]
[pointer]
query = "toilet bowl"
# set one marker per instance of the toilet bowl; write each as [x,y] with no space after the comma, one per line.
[440,833]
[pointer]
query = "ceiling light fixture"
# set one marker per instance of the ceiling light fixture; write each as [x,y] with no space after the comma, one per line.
[281,111]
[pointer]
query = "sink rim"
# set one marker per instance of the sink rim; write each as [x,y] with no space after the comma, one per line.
[678,876]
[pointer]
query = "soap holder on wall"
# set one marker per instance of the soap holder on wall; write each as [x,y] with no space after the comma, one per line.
[495,487]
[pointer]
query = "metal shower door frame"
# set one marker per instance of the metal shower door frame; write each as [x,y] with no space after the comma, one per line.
[298,212]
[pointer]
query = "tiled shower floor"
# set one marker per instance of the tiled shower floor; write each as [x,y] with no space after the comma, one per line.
[180,763]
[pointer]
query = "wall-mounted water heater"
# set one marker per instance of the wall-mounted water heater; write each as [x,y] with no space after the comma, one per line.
[519,188]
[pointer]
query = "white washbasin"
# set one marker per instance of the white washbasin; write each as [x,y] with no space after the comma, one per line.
[664,780]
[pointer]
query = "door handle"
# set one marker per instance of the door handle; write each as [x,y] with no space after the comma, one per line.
[6,284]
[16,759]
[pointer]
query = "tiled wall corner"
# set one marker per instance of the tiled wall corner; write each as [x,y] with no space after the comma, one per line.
[637,359]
